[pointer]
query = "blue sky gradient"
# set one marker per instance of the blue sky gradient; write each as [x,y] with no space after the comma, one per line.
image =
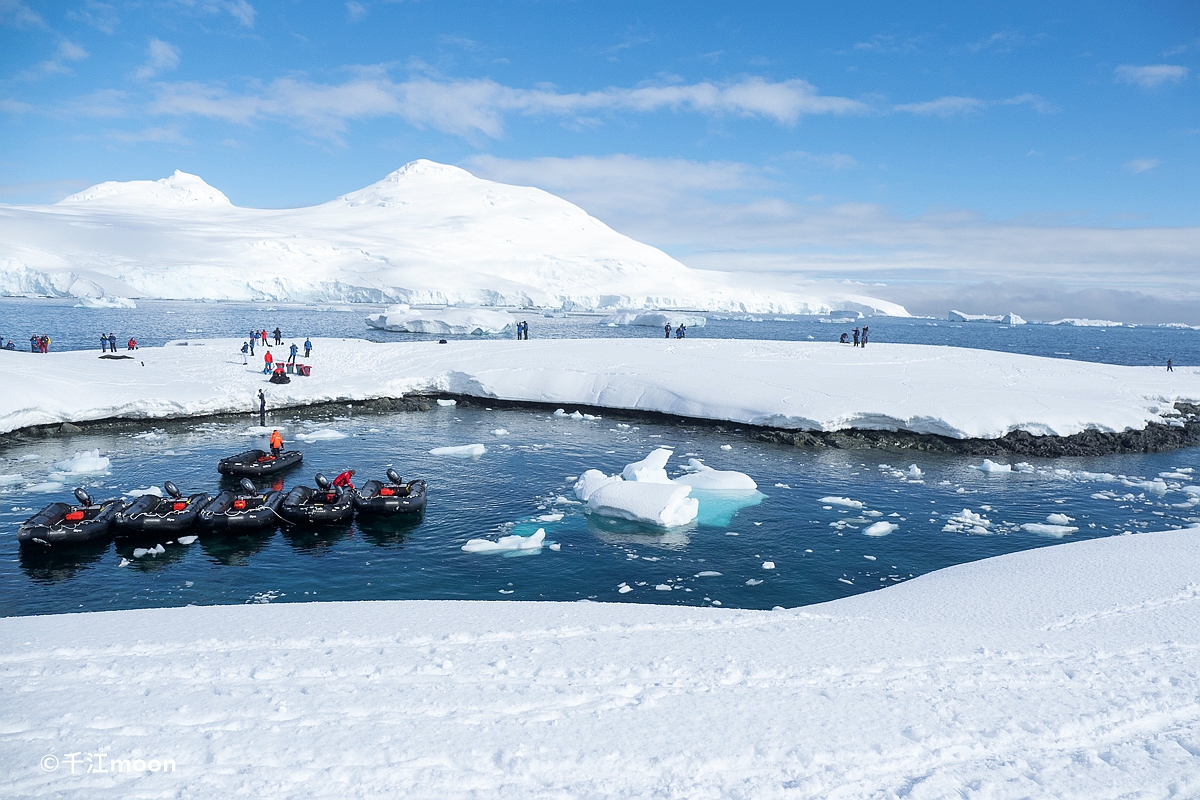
[815,140]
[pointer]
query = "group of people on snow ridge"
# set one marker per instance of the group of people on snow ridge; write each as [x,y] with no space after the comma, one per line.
[860,340]
[108,343]
[522,330]
[680,332]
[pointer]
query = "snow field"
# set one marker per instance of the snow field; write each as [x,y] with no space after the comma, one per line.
[1048,682]
[752,382]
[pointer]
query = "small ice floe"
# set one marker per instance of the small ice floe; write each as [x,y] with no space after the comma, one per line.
[11,479]
[726,447]
[125,562]
[880,528]
[662,505]
[967,521]
[845,502]
[1023,466]
[847,582]
[1178,475]
[753,582]
[87,462]
[321,435]
[45,487]
[555,546]
[991,467]
[708,573]
[154,490]
[499,432]
[869,558]
[624,587]
[768,565]
[446,403]
[663,587]
[142,552]
[913,472]
[1057,531]
[515,542]
[31,457]
[782,486]
[150,435]
[1157,486]
[460,451]
[1059,519]
[262,598]
[187,539]
[549,517]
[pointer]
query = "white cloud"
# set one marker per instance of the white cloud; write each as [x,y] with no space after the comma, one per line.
[101,16]
[943,106]
[240,10]
[1000,42]
[356,11]
[71,52]
[479,106]
[736,216]
[168,135]
[160,57]
[18,15]
[1149,76]
[1141,165]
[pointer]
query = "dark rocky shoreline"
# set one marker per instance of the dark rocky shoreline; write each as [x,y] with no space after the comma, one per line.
[1155,438]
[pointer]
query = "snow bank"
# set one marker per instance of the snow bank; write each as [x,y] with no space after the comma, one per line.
[655,319]
[460,451]
[883,694]
[507,543]
[792,385]
[462,321]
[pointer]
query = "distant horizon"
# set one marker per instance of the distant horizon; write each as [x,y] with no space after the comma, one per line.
[995,160]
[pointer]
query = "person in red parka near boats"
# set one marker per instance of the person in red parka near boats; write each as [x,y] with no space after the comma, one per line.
[276,443]
[343,480]
[268,362]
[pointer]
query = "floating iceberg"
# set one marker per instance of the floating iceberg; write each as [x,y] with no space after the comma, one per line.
[655,319]
[664,505]
[846,502]
[881,528]
[105,302]
[88,462]
[716,480]
[1003,319]
[991,467]
[650,469]
[1057,531]
[507,543]
[461,321]
[322,435]
[460,451]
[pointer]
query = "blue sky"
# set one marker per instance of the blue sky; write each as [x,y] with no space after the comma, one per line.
[921,147]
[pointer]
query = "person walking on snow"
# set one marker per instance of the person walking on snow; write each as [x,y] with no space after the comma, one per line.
[307,348]
[262,409]
[864,335]
[856,337]
[1169,367]
[292,354]
[245,349]
[268,362]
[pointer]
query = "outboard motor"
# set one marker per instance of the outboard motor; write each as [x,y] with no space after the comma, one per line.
[394,476]
[247,486]
[172,490]
[83,497]
[322,482]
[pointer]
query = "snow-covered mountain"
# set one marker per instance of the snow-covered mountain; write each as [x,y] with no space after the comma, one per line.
[427,233]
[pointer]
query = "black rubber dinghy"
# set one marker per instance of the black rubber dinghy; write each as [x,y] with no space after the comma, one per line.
[393,497]
[244,510]
[326,503]
[171,514]
[256,463]
[62,522]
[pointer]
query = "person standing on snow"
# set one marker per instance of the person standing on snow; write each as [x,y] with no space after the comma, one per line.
[268,362]
[245,349]
[1169,367]
[307,348]
[278,335]
[856,337]
[103,343]
[112,342]
[864,335]
[667,330]
[292,353]
[263,333]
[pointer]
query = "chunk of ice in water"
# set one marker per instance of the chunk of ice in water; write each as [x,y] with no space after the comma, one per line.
[881,528]
[460,451]
[841,501]
[506,543]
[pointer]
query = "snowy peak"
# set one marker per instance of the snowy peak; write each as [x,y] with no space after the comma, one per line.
[181,190]
[422,181]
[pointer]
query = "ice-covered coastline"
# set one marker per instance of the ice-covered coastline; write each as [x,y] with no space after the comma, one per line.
[1070,672]
[800,386]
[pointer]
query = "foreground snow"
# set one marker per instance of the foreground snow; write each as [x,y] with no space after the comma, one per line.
[1069,672]
[427,233]
[951,391]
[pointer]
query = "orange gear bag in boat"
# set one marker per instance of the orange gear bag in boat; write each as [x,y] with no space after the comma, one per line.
[239,504]
[74,516]
[179,505]
[387,491]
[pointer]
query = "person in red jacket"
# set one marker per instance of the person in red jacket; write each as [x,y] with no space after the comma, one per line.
[268,362]
[276,443]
